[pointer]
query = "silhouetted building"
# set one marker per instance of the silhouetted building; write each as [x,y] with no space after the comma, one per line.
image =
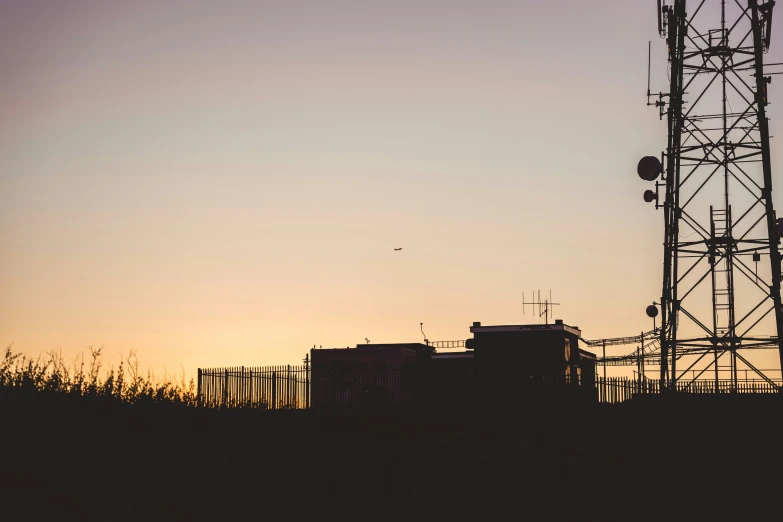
[527,362]
[502,366]
[370,375]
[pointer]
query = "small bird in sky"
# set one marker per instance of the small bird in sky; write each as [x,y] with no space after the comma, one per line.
[397,249]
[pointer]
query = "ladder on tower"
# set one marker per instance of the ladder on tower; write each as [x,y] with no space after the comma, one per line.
[722,243]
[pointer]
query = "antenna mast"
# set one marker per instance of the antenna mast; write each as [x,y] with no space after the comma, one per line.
[543,306]
[421,327]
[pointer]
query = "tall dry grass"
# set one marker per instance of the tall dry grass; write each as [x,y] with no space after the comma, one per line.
[50,373]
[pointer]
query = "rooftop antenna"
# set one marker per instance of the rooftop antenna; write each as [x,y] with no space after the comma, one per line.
[663,14]
[543,306]
[426,341]
[649,55]
[765,12]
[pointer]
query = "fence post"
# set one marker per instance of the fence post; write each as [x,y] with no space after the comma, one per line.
[274,390]
[225,388]
[307,381]
[198,393]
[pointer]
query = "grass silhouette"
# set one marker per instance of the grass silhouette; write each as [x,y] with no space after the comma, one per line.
[51,374]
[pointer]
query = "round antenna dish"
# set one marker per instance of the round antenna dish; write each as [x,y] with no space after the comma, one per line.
[649,196]
[649,168]
[652,311]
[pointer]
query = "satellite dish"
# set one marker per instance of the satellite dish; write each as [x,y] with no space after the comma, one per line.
[650,196]
[652,311]
[649,168]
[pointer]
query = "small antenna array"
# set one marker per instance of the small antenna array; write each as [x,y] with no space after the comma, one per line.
[541,308]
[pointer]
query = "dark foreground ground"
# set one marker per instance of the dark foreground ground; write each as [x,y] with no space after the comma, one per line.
[66,459]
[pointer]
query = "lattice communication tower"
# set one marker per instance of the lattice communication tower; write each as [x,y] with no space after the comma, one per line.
[715,190]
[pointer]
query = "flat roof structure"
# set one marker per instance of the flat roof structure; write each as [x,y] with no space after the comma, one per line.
[557,326]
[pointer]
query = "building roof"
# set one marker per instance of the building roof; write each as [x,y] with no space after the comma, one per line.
[557,326]
[382,347]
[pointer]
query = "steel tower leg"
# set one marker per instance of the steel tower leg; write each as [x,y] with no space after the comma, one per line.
[772,231]
[669,303]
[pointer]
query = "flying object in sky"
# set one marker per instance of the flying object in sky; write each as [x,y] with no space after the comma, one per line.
[397,249]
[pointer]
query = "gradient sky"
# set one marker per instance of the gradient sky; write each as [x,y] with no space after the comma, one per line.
[223,183]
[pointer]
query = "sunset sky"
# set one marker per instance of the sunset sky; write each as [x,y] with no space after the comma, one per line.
[223,183]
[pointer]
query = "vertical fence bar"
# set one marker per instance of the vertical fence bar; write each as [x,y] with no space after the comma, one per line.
[225,388]
[198,393]
[307,381]
[274,390]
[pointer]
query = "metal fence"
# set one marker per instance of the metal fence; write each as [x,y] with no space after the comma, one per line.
[614,390]
[378,386]
[266,387]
